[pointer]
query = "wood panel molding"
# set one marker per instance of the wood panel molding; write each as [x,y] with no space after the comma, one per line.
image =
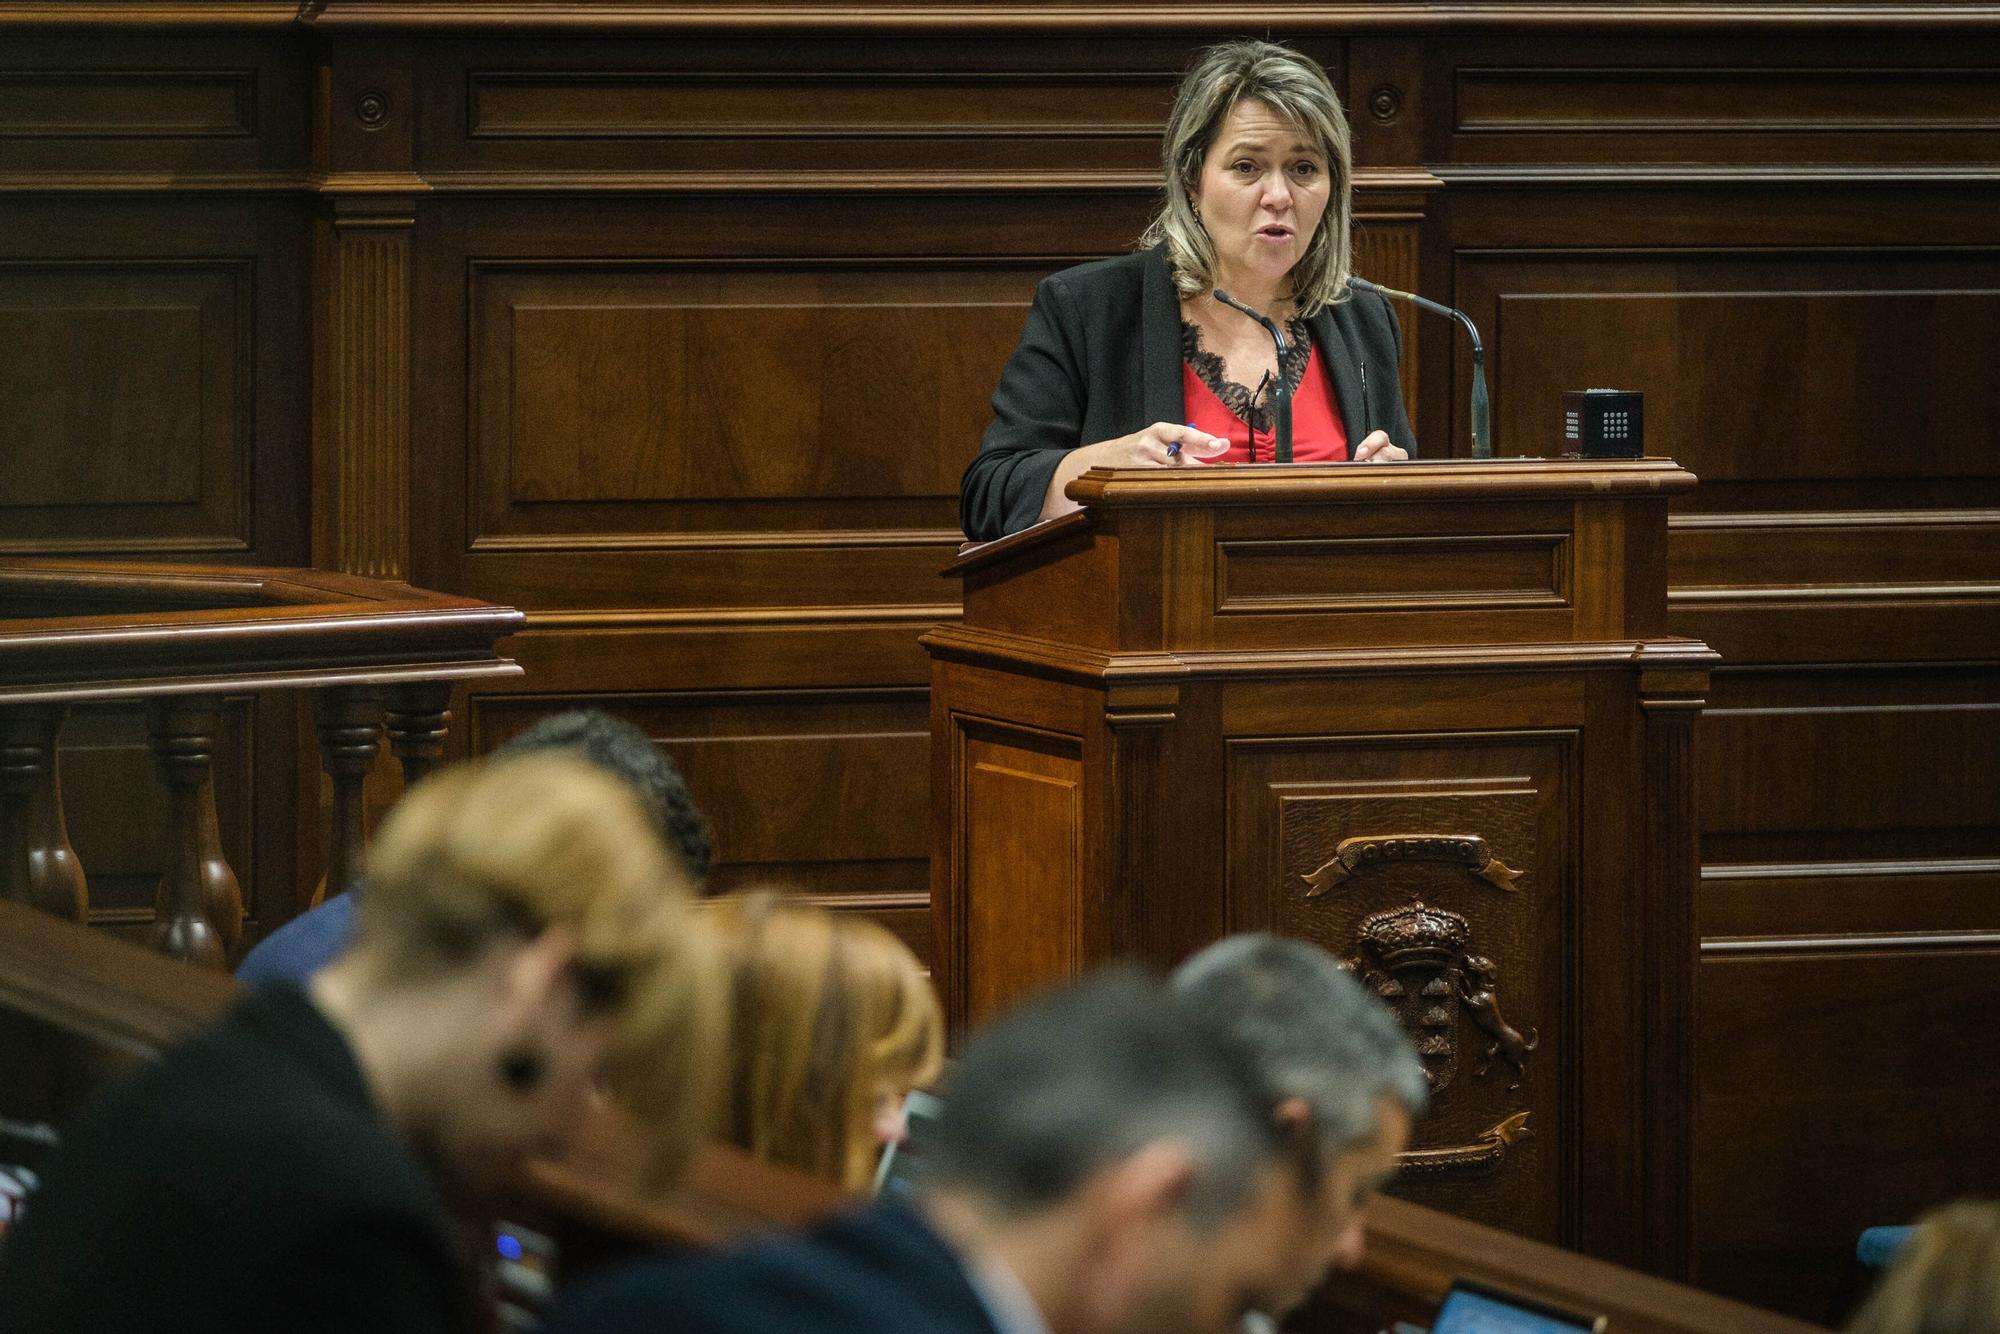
[163,464]
[1410,575]
[128,104]
[1636,99]
[1723,176]
[780,105]
[1118,16]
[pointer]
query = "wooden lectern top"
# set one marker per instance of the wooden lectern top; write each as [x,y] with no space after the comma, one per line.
[1503,554]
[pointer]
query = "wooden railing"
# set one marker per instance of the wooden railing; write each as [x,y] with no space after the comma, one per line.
[376,655]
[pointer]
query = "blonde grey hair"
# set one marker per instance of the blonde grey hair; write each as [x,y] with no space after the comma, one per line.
[1296,88]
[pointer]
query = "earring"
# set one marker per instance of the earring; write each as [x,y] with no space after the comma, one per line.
[520,1069]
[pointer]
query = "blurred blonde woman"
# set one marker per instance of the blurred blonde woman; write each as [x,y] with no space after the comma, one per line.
[525,940]
[1945,1281]
[833,1023]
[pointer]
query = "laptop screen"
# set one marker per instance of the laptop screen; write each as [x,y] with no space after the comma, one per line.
[1473,1310]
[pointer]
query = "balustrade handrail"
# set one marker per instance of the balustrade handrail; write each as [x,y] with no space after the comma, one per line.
[378,655]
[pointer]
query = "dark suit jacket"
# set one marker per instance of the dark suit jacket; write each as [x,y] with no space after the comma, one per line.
[244,1182]
[1101,358]
[879,1270]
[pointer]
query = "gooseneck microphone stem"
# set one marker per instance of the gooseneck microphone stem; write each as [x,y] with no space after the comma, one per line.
[1281,392]
[1482,439]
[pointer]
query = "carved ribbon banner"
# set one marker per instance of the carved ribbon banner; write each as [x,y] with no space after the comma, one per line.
[1355,855]
[1474,1159]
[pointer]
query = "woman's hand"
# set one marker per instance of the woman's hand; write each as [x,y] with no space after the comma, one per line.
[1161,445]
[1375,448]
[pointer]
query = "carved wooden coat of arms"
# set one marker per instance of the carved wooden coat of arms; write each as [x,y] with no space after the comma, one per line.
[1418,960]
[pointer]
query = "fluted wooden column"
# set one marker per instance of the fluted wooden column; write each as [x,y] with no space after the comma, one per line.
[362,519]
[365,138]
[38,867]
[198,912]
[418,723]
[349,721]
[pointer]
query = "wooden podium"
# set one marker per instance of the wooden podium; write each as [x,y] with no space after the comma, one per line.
[1426,715]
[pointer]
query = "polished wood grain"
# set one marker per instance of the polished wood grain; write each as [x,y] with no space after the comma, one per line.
[348,720]
[181,639]
[1103,666]
[40,867]
[198,912]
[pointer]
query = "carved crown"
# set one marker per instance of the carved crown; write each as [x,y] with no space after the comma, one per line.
[1415,935]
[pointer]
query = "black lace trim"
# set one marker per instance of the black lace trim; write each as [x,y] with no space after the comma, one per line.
[1239,398]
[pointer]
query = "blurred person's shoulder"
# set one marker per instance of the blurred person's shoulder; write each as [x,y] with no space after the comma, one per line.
[878,1268]
[216,1171]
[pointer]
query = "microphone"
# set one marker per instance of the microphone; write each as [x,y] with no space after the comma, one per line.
[1281,393]
[1482,439]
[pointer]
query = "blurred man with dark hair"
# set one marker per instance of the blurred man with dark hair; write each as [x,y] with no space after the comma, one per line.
[1344,1080]
[1100,1167]
[307,943]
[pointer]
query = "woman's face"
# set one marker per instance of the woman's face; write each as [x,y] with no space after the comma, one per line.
[491,1123]
[1264,187]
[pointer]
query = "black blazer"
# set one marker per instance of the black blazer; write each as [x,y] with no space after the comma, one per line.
[244,1182]
[1101,358]
[879,1269]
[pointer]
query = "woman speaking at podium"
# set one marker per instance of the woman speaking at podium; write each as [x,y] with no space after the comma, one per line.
[1140,361]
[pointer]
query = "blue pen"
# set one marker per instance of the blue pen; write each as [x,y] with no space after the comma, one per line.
[1174,449]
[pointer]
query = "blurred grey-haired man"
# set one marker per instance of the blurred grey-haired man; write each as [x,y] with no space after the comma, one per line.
[1345,1080]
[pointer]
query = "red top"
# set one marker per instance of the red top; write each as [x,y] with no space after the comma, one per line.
[1318,434]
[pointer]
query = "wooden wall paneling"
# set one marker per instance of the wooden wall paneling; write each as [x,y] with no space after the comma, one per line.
[826,362]
[1849,909]
[165,442]
[182,315]
[1844,1085]
[148,253]
[1760,367]
[823,790]
[153,111]
[1039,109]
[1806,366]
[1521,102]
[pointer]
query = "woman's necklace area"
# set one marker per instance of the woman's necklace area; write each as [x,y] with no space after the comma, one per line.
[1209,312]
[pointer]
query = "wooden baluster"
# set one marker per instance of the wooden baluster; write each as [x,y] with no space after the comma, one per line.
[38,867]
[418,721]
[198,913]
[349,719]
